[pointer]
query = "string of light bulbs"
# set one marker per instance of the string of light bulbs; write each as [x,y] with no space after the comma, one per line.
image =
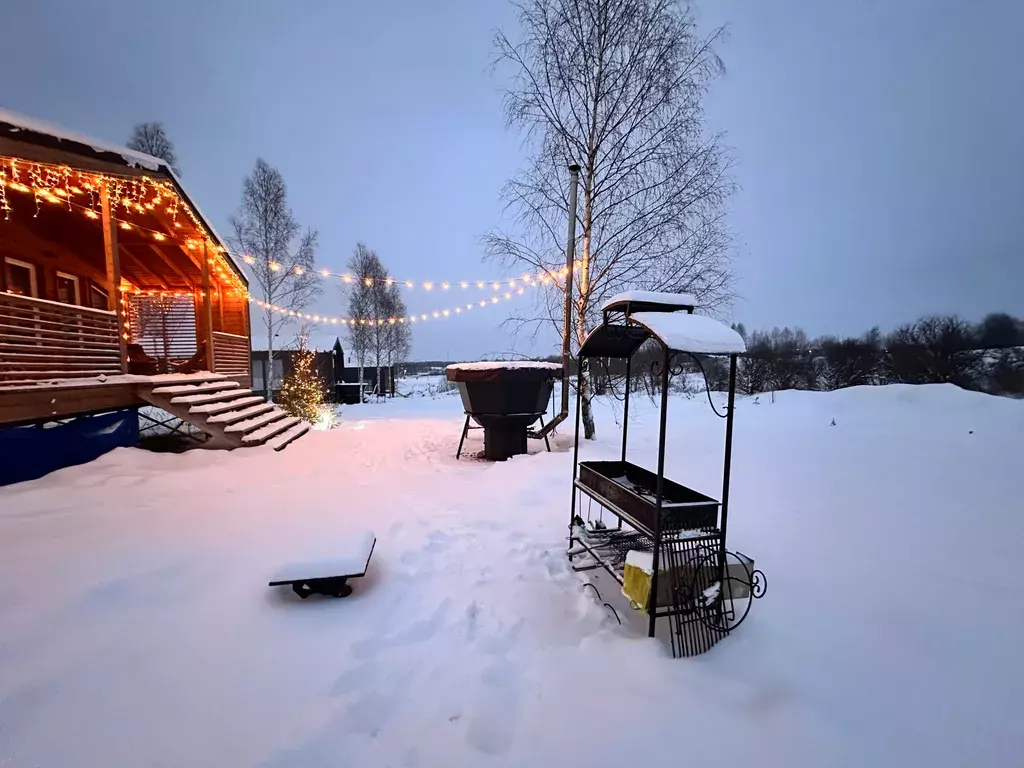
[60,184]
[437,314]
[527,278]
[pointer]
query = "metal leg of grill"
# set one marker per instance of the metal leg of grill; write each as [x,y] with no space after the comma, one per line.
[465,429]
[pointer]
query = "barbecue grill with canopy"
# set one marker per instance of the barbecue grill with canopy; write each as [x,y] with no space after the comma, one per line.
[674,533]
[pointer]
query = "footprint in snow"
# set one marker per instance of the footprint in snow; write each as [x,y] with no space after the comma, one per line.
[416,632]
[496,713]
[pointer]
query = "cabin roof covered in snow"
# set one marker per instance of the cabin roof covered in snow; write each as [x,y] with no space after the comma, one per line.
[18,127]
[15,123]
[656,301]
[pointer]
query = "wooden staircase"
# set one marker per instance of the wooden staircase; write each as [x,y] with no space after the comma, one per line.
[232,416]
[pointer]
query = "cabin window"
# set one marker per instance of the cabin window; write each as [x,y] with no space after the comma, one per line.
[257,375]
[67,289]
[20,277]
[97,297]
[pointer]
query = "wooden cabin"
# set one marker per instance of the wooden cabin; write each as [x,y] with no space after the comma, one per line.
[115,291]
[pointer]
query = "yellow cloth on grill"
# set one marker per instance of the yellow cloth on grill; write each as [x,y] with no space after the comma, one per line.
[636,578]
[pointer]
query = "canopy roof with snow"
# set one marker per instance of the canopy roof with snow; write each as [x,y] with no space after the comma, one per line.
[666,317]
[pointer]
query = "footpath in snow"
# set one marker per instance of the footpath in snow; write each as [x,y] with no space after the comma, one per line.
[136,627]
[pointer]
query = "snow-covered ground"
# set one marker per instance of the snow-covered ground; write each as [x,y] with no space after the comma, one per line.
[136,627]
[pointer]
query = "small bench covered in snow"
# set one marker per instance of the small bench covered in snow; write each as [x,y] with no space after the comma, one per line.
[327,575]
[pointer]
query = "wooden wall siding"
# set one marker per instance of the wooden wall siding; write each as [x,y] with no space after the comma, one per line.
[236,310]
[29,243]
[164,326]
[230,353]
[41,340]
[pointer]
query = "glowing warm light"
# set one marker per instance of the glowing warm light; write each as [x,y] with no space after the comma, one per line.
[325,273]
[125,225]
[428,285]
[159,236]
[274,266]
[444,286]
[464,284]
[299,270]
[496,286]
[92,214]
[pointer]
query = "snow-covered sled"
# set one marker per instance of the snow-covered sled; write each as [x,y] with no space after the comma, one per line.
[329,576]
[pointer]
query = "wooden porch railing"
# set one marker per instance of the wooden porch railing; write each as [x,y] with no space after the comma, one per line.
[230,353]
[42,340]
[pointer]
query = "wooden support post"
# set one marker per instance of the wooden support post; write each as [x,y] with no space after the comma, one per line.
[248,337]
[207,313]
[113,265]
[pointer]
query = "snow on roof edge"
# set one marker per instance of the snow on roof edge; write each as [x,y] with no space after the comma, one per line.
[131,157]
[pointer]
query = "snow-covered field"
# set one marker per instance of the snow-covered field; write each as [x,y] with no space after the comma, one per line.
[136,628]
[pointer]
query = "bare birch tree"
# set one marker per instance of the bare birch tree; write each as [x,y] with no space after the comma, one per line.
[616,86]
[364,267]
[266,230]
[152,139]
[398,341]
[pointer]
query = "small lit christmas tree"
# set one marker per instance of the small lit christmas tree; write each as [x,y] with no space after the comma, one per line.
[302,391]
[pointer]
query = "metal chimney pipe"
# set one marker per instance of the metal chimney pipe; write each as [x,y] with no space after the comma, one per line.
[570,266]
[570,258]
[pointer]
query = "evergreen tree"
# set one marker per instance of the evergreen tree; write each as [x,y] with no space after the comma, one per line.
[302,392]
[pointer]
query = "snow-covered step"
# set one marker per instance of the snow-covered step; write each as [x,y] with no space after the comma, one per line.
[227,394]
[224,407]
[250,425]
[288,436]
[196,389]
[230,417]
[260,436]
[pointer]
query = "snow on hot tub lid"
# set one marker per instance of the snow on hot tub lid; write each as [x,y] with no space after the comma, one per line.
[493,369]
[653,301]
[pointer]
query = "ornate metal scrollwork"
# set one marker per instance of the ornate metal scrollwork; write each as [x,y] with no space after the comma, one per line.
[656,368]
[722,602]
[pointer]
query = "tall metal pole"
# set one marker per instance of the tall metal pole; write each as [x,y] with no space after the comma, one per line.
[625,408]
[570,258]
[659,494]
[728,456]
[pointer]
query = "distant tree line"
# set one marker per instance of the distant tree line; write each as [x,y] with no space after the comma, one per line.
[987,356]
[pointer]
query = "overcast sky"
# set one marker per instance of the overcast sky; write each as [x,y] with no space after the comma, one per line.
[879,146]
